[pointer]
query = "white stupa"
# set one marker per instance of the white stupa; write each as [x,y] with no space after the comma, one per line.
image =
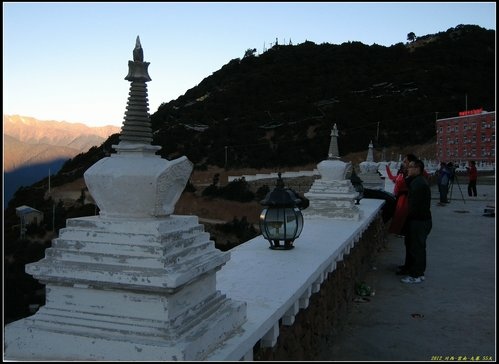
[135,282]
[369,172]
[333,195]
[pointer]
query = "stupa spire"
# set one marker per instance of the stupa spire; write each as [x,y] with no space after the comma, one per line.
[370,154]
[137,124]
[333,145]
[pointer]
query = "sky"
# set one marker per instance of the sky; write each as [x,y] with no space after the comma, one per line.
[67,61]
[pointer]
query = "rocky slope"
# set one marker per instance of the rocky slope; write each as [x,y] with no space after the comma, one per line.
[29,141]
[34,147]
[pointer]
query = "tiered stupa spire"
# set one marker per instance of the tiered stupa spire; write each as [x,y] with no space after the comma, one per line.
[333,144]
[136,128]
[370,154]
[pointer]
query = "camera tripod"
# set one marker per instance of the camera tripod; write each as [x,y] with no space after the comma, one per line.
[452,185]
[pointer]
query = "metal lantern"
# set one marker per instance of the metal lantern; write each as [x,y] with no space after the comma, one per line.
[282,219]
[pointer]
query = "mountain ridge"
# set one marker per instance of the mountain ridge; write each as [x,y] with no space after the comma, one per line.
[279,107]
[42,140]
[32,147]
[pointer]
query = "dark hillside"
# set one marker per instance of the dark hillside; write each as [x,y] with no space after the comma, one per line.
[279,107]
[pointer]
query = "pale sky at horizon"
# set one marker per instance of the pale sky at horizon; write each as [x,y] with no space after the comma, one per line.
[68,61]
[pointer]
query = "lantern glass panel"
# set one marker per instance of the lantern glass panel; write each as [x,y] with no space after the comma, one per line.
[299,220]
[263,226]
[281,223]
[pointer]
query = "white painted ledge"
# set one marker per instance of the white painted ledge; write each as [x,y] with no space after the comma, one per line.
[276,284]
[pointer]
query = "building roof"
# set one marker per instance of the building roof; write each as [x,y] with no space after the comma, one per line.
[468,116]
[24,210]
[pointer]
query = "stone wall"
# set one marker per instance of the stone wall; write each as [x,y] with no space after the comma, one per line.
[313,326]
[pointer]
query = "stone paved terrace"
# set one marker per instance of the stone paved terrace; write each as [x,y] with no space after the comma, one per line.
[455,306]
[449,317]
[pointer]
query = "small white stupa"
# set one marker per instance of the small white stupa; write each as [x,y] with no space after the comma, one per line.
[135,283]
[333,195]
[369,172]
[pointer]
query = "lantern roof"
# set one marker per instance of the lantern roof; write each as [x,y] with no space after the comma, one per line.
[283,197]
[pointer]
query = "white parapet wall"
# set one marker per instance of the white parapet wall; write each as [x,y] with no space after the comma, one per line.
[278,284]
[274,285]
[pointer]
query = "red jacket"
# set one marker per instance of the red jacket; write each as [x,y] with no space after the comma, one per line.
[473,173]
[399,180]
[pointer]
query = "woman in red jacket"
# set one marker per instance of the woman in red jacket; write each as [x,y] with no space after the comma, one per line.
[473,176]
[400,191]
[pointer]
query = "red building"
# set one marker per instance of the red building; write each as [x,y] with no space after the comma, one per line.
[469,136]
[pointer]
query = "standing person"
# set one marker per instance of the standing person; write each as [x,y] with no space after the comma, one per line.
[400,191]
[473,176]
[397,225]
[443,180]
[419,221]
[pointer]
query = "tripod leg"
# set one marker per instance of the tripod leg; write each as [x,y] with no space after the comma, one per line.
[462,196]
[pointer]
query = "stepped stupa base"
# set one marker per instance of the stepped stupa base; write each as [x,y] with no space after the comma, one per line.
[36,339]
[332,199]
[372,181]
[121,289]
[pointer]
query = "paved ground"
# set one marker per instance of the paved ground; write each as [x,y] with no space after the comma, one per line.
[451,315]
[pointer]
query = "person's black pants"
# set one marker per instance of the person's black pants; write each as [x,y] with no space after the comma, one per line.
[444,190]
[418,232]
[472,188]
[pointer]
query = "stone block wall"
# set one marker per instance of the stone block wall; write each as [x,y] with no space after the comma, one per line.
[313,326]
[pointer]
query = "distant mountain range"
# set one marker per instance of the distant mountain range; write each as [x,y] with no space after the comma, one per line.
[32,147]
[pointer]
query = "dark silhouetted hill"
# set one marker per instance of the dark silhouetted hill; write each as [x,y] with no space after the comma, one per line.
[278,108]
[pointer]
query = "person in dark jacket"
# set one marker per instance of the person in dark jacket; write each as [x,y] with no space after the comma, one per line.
[418,222]
[443,183]
[402,211]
